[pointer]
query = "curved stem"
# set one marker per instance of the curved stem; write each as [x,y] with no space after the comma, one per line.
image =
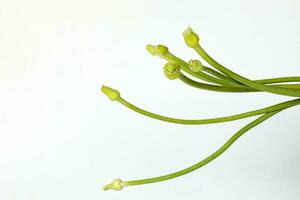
[243,80]
[279,80]
[263,81]
[218,74]
[275,107]
[206,160]
[218,88]
[292,86]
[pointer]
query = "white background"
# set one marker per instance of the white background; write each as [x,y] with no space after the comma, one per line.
[60,138]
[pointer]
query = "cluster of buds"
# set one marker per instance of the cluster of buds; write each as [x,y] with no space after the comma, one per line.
[215,77]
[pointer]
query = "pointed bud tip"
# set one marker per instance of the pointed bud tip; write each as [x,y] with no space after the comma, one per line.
[151,49]
[111,93]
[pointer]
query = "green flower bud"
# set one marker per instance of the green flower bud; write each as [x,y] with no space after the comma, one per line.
[172,70]
[115,185]
[151,49]
[111,93]
[162,50]
[191,38]
[195,65]
[159,50]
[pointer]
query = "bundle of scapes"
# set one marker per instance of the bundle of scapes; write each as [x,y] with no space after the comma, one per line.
[215,78]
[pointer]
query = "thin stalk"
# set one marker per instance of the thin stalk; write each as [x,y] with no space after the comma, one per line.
[292,86]
[218,74]
[263,81]
[272,108]
[279,80]
[243,80]
[218,88]
[200,164]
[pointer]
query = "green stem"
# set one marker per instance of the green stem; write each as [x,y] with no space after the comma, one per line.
[275,107]
[206,160]
[263,81]
[279,80]
[292,86]
[243,80]
[218,74]
[218,88]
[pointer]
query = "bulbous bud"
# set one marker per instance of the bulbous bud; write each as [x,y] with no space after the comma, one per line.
[117,185]
[111,93]
[159,50]
[191,38]
[195,65]
[172,70]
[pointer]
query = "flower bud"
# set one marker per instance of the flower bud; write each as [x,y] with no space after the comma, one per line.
[115,185]
[191,38]
[159,50]
[151,49]
[171,70]
[195,65]
[111,93]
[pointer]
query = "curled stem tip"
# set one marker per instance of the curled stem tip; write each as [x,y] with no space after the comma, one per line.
[195,65]
[172,70]
[191,38]
[116,185]
[158,50]
[111,93]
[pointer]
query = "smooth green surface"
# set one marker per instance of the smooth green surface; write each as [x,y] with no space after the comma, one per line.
[219,88]
[263,81]
[279,106]
[207,160]
[245,81]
